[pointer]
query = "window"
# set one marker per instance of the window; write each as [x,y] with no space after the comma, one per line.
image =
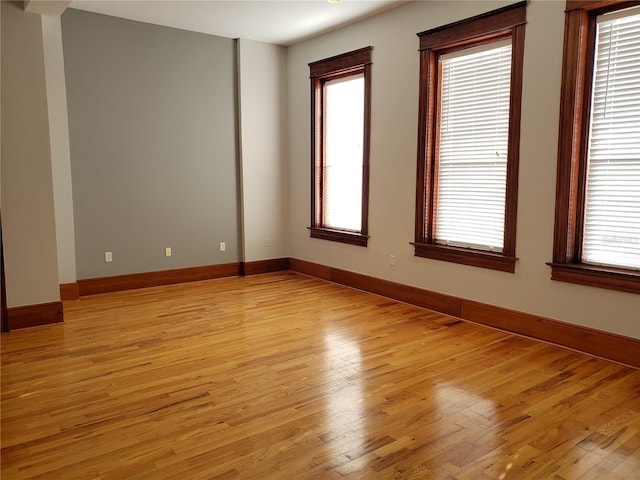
[469,139]
[597,222]
[340,119]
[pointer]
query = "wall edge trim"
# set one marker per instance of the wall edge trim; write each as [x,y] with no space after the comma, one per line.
[35,315]
[69,291]
[266,266]
[116,283]
[607,345]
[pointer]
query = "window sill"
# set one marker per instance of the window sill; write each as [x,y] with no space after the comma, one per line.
[466,256]
[352,238]
[597,276]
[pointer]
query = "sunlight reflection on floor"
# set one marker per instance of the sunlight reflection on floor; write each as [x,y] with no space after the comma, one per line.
[343,361]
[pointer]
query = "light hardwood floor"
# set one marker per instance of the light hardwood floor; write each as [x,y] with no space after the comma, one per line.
[282,376]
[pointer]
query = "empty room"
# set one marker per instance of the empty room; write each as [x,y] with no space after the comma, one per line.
[320,239]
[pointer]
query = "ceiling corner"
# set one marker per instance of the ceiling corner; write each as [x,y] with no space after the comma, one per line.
[46,7]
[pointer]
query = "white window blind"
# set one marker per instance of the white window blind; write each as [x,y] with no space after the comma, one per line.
[473,143]
[612,202]
[343,152]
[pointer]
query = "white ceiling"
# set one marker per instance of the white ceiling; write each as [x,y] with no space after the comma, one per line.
[281,22]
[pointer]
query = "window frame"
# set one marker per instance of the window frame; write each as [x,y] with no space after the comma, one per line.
[339,66]
[503,23]
[573,141]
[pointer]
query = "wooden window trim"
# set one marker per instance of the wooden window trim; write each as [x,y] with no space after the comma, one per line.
[343,236]
[505,22]
[346,64]
[577,71]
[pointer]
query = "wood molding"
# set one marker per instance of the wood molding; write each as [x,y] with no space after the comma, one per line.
[597,276]
[35,315]
[339,63]
[69,291]
[266,266]
[596,4]
[507,23]
[482,25]
[588,340]
[467,256]
[310,268]
[404,293]
[573,140]
[351,238]
[340,66]
[412,295]
[132,281]
[4,315]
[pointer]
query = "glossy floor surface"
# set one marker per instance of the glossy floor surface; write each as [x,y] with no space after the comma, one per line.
[281,376]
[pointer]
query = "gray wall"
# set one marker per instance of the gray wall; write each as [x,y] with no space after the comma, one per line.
[28,219]
[152,125]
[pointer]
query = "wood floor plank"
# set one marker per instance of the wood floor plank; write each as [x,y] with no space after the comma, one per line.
[283,376]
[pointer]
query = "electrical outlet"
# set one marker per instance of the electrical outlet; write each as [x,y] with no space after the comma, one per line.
[223,246]
[167,252]
[108,257]
[392,260]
